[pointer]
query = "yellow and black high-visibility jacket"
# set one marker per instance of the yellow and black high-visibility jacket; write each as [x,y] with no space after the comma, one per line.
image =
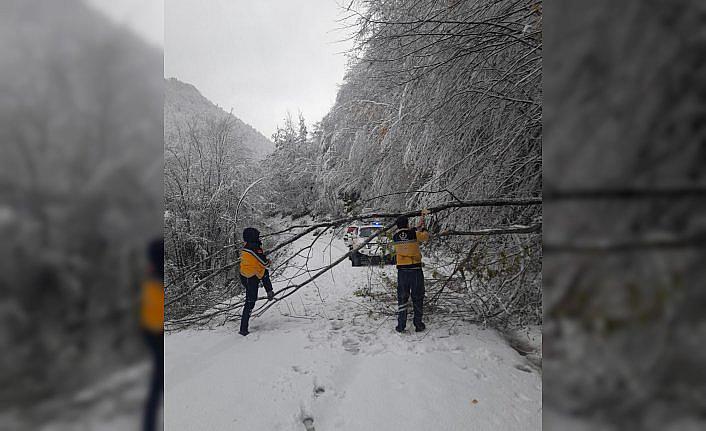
[406,242]
[253,262]
[152,305]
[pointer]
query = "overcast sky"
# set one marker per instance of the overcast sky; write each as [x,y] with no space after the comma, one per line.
[260,58]
[144,17]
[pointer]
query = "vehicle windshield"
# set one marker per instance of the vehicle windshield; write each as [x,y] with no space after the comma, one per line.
[368,231]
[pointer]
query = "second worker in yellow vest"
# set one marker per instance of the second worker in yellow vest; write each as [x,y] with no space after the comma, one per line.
[410,277]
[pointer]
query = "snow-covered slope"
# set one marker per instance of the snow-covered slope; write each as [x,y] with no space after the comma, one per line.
[183,103]
[321,356]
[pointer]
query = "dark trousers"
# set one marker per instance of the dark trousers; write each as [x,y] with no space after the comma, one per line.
[251,285]
[155,343]
[410,281]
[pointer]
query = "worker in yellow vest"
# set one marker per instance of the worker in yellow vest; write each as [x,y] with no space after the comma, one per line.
[152,323]
[410,278]
[253,269]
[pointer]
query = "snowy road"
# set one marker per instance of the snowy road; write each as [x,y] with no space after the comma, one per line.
[344,370]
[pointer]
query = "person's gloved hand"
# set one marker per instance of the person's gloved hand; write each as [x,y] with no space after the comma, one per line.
[422,225]
[270,295]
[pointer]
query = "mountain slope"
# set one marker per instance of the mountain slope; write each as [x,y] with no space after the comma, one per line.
[183,103]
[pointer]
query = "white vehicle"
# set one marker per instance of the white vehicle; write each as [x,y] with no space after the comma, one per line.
[352,230]
[379,249]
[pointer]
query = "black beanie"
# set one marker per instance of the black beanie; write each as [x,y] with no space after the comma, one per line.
[402,222]
[155,254]
[252,235]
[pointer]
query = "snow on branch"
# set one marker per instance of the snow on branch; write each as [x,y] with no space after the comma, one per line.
[535,228]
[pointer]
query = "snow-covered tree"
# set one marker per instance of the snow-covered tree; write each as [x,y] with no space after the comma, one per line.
[291,169]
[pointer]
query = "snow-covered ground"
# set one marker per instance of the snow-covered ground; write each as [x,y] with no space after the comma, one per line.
[319,361]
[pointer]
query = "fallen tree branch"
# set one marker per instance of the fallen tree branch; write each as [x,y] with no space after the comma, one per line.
[337,222]
[413,192]
[201,282]
[535,228]
[333,223]
[498,202]
[296,287]
[293,288]
[465,260]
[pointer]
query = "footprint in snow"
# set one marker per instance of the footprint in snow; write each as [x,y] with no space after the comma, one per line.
[480,375]
[308,424]
[351,345]
[306,417]
[319,389]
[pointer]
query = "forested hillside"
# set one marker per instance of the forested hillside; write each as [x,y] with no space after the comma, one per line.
[184,105]
[441,103]
[440,96]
